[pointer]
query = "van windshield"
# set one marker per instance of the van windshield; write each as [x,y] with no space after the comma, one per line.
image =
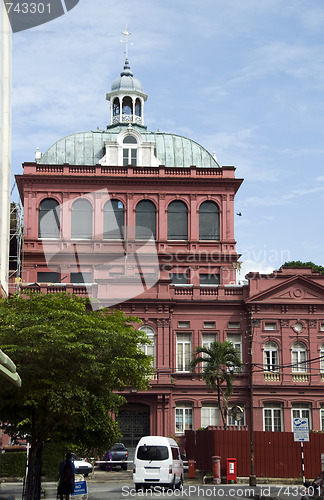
[153,453]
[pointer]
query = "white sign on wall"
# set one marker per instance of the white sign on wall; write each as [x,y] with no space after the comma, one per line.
[301,429]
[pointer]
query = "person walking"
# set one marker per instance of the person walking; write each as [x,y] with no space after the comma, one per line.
[67,477]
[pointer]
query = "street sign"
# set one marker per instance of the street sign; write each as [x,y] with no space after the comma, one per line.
[301,429]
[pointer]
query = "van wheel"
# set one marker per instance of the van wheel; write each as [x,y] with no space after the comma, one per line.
[137,487]
[180,483]
[173,484]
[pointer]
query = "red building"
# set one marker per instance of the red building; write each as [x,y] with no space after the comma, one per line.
[144,221]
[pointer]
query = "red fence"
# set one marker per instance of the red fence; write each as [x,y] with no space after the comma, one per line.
[275,453]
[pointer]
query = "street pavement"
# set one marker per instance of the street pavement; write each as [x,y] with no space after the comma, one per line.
[118,485]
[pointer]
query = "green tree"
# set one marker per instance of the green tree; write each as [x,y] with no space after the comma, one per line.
[219,360]
[71,360]
[299,264]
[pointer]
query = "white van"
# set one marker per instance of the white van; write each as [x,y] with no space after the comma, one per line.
[157,462]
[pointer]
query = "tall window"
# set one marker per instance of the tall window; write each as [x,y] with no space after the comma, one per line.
[299,357]
[116,107]
[209,414]
[49,219]
[127,106]
[322,418]
[207,339]
[301,411]
[114,220]
[129,151]
[149,349]
[272,418]
[177,221]
[270,357]
[138,107]
[183,418]
[321,353]
[236,340]
[183,352]
[209,221]
[145,219]
[81,223]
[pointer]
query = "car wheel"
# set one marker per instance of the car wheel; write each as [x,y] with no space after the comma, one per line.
[180,483]
[124,466]
[172,485]
[137,487]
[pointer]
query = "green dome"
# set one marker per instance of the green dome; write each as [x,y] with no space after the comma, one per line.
[126,81]
[87,148]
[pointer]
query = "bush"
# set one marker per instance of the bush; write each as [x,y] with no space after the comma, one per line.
[13,464]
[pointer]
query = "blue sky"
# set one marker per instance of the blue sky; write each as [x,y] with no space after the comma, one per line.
[244,78]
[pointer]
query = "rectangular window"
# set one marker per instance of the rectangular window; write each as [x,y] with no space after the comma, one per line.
[209,279]
[322,419]
[322,327]
[179,278]
[236,340]
[183,324]
[209,415]
[322,360]
[234,324]
[183,352]
[48,277]
[270,325]
[209,324]
[183,419]
[272,419]
[81,278]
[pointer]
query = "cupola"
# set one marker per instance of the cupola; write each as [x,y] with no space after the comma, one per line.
[126,99]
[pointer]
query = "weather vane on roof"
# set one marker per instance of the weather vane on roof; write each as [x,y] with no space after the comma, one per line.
[126,33]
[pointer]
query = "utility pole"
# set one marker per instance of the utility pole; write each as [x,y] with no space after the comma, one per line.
[252,481]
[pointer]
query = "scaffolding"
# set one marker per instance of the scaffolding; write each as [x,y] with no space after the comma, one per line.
[15,247]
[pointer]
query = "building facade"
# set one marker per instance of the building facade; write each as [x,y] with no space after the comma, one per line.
[144,222]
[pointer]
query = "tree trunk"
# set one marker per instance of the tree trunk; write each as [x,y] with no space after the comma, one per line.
[32,486]
[220,405]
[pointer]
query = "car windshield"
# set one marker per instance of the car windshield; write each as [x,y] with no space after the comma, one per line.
[152,453]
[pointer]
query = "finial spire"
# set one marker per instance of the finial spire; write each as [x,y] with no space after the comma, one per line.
[126,33]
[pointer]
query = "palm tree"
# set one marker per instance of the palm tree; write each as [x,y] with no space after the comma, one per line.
[219,360]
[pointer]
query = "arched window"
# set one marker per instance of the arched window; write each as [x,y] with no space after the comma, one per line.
[114,220]
[49,219]
[208,221]
[270,357]
[116,107]
[130,151]
[145,220]
[81,219]
[177,221]
[299,357]
[127,106]
[138,107]
[149,349]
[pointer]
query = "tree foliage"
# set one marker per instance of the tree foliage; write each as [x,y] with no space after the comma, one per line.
[71,360]
[219,360]
[299,264]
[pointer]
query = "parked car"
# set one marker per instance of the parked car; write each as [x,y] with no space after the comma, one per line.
[82,467]
[315,490]
[119,454]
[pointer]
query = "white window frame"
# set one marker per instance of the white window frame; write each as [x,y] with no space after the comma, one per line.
[321,353]
[186,418]
[149,349]
[270,326]
[183,358]
[271,357]
[206,340]
[322,418]
[236,341]
[209,414]
[299,357]
[301,411]
[274,410]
